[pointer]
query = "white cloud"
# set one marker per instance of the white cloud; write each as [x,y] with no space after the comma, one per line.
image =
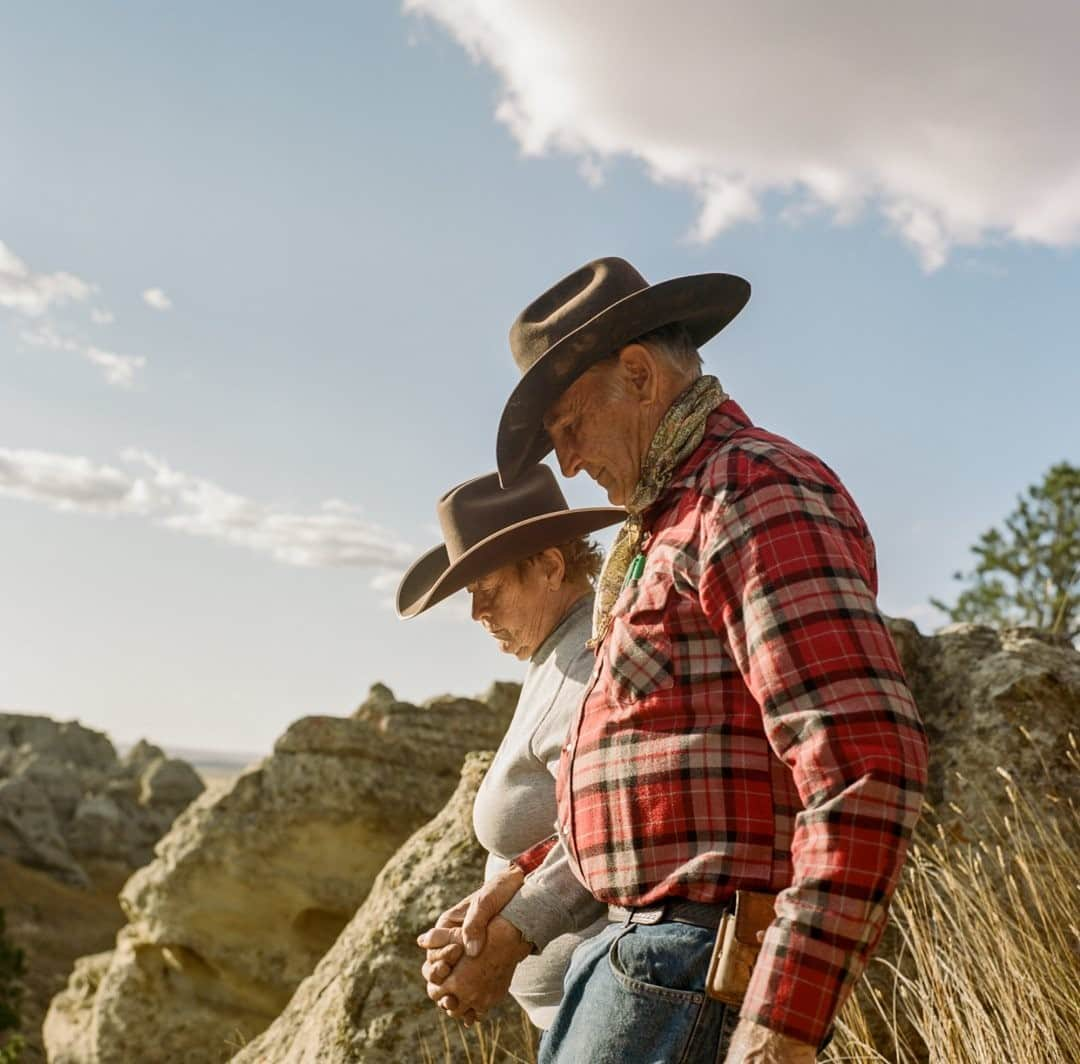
[956,122]
[64,482]
[156,298]
[32,294]
[119,370]
[335,534]
[36,295]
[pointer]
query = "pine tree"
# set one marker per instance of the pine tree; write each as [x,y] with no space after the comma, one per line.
[1029,572]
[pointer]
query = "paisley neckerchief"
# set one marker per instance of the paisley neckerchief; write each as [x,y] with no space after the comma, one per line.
[678,435]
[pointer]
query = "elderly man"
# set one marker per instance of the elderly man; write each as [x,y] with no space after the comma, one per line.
[747,725]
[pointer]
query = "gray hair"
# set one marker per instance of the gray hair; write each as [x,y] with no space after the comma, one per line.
[675,345]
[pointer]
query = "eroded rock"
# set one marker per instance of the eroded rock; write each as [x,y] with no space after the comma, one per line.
[30,833]
[365,1002]
[254,883]
[991,699]
[100,806]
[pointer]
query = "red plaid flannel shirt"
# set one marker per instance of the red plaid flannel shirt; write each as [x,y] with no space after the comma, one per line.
[748,724]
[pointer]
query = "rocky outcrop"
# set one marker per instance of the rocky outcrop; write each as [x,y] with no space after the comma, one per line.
[993,699]
[255,882]
[365,1002]
[65,796]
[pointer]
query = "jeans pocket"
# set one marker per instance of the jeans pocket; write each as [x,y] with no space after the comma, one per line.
[632,967]
[661,1021]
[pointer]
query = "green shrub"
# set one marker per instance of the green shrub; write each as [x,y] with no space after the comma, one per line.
[12,969]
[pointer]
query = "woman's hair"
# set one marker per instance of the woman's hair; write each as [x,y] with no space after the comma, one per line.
[581,557]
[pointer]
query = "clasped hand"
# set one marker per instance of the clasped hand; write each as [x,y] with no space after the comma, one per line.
[472,951]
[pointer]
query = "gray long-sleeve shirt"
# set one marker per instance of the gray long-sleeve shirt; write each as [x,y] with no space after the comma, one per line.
[515,806]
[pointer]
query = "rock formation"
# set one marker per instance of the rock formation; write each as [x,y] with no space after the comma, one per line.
[365,1002]
[65,795]
[994,699]
[254,883]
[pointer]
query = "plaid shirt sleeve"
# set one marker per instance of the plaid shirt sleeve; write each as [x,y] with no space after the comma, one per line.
[534,856]
[788,579]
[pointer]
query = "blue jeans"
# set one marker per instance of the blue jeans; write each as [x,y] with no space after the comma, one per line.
[636,995]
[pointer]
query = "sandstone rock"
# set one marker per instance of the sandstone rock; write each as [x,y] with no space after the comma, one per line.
[96,800]
[65,740]
[29,831]
[990,699]
[58,781]
[169,782]
[365,1002]
[254,883]
[503,696]
[139,756]
[63,1026]
[379,698]
[100,828]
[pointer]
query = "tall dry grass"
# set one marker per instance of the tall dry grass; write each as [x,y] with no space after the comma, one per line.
[985,936]
[484,1043]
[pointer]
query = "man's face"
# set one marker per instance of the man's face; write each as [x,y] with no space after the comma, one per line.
[511,607]
[595,426]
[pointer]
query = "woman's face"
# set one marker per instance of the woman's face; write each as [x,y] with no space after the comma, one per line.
[514,607]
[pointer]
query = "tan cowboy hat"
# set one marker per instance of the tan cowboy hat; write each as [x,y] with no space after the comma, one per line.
[485,526]
[585,318]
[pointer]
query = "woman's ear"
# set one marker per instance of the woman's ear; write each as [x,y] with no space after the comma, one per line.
[553,566]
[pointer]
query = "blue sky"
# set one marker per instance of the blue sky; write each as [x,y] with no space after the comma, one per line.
[200,546]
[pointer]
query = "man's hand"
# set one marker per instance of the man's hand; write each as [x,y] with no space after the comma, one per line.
[477,983]
[754,1044]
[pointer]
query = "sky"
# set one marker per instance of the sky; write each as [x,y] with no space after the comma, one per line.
[258,262]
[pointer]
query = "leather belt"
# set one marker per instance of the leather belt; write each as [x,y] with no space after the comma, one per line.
[672,910]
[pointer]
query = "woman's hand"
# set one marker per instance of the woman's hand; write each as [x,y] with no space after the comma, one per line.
[462,929]
[478,983]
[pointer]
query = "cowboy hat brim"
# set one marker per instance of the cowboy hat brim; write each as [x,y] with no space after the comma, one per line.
[433,578]
[704,303]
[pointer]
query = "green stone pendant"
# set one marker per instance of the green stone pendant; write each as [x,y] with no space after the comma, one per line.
[637,567]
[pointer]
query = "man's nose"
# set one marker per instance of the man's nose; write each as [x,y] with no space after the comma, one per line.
[478,612]
[569,460]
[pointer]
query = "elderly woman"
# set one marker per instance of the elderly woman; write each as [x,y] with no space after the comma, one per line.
[523,557]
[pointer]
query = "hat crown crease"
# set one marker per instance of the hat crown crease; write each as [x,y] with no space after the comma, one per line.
[479,508]
[569,304]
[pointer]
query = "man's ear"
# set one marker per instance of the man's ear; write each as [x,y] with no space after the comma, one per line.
[641,373]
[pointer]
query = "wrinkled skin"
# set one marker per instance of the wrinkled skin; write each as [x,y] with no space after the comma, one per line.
[604,423]
[461,931]
[519,608]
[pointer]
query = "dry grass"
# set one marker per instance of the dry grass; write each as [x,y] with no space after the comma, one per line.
[482,1044]
[986,943]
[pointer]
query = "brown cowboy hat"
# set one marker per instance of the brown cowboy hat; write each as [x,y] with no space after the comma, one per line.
[585,318]
[485,526]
